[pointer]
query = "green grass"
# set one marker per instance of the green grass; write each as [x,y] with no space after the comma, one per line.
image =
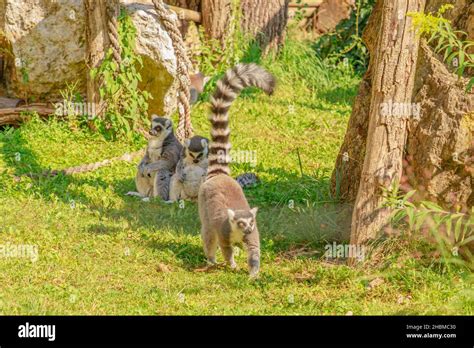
[101,252]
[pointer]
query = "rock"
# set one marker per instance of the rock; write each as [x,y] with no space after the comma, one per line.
[375,282]
[162,268]
[330,13]
[46,40]
[159,61]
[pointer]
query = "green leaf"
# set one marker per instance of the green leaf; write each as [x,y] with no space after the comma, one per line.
[470,85]
[457,228]
[433,206]
[448,51]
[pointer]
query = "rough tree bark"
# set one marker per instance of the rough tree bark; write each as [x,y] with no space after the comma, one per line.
[97,44]
[215,18]
[439,150]
[266,20]
[346,175]
[393,79]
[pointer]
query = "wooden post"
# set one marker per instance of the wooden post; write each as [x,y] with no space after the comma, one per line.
[394,67]
[97,44]
[215,17]
[266,21]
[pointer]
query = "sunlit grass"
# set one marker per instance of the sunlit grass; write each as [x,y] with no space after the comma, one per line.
[101,252]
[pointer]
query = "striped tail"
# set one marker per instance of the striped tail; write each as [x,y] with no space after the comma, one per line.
[227,90]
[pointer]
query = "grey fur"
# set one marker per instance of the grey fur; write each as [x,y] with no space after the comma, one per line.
[159,162]
[227,90]
[223,208]
[216,196]
[247,180]
[191,169]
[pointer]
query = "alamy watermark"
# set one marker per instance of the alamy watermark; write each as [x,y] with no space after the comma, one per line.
[238,156]
[75,108]
[395,109]
[26,251]
[344,251]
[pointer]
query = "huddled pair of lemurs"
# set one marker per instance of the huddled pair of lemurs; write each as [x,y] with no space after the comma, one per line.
[168,169]
[201,170]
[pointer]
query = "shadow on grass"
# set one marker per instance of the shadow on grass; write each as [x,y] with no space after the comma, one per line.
[294,210]
[191,255]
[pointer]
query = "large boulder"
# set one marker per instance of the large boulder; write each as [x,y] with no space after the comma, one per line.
[45,41]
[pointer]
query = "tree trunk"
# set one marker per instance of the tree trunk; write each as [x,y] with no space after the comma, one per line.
[266,20]
[346,175]
[215,18]
[97,44]
[393,79]
[439,148]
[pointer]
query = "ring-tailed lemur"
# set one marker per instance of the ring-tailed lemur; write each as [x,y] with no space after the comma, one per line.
[247,180]
[191,169]
[159,162]
[225,214]
[198,82]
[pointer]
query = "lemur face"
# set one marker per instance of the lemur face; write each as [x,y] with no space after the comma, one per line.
[196,149]
[243,220]
[160,127]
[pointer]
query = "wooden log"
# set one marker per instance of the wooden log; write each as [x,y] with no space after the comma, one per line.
[9,102]
[13,116]
[187,15]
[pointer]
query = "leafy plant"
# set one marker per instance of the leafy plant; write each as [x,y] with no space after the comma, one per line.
[345,43]
[448,41]
[451,230]
[125,105]
[68,108]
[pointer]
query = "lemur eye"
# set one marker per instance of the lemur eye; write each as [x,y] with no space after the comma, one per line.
[241,224]
[199,156]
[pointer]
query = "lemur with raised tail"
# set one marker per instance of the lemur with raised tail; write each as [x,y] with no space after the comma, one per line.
[226,217]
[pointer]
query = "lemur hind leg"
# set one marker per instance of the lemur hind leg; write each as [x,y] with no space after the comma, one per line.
[161,187]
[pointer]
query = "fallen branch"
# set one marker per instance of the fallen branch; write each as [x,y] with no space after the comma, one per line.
[14,116]
[187,15]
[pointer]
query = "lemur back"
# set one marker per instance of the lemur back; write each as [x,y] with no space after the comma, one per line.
[226,217]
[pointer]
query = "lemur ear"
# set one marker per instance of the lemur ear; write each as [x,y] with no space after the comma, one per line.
[231,214]
[187,142]
[254,211]
[168,123]
[204,143]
